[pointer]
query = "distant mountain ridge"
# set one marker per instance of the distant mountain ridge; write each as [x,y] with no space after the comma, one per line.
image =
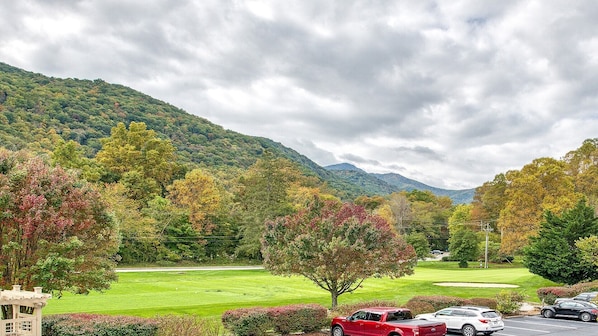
[391,182]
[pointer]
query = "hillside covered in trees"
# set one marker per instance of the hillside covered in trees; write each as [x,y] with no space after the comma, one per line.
[183,189]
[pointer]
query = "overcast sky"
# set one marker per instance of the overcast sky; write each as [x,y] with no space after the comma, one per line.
[449,93]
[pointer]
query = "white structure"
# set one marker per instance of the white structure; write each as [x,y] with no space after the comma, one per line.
[21,311]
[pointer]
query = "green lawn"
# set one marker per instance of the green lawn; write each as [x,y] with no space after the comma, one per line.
[209,293]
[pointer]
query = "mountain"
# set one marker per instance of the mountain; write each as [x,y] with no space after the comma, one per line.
[37,111]
[383,184]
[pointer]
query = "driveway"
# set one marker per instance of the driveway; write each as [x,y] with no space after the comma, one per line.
[536,325]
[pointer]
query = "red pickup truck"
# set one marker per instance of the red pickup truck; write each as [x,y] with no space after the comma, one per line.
[384,321]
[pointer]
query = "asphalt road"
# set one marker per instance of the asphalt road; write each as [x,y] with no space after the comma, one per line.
[537,325]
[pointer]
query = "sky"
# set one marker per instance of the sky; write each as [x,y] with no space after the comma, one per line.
[449,93]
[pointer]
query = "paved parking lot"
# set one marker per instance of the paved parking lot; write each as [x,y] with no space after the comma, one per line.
[536,325]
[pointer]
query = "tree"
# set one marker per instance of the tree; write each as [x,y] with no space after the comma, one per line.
[336,246]
[401,210]
[420,244]
[55,231]
[542,185]
[588,247]
[263,196]
[553,253]
[199,193]
[463,245]
[138,149]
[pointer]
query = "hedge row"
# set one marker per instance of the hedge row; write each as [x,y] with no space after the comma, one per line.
[283,320]
[549,294]
[429,304]
[97,325]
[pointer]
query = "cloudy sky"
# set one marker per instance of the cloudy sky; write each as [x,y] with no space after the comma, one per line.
[449,93]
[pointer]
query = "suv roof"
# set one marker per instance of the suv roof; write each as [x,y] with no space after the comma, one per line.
[477,308]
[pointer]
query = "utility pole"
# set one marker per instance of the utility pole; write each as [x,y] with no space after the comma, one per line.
[487,229]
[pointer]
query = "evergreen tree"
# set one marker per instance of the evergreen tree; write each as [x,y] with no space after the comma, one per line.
[553,254]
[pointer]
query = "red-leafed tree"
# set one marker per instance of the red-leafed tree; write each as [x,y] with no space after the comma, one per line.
[54,229]
[335,245]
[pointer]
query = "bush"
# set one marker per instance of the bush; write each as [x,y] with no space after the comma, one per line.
[463,264]
[419,307]
[484,302]
[304,318]
[438,301]
[283,320]
[548,294]
[175,325]
[247,321]
[508,302]
[348,309]
[97,325]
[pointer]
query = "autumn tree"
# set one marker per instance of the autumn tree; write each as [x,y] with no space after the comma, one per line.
[138,149]
[553,253]
[400,207]
[55,231]
[588,247]
[336,246]
[582,165]
[542,185]
[198,192]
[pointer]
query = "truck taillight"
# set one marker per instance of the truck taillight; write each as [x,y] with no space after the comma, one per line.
[484,320]
[416,331]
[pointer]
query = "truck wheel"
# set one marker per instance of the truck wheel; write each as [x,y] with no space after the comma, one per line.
[548,313]
[337,331]
[468,330]
[586,317]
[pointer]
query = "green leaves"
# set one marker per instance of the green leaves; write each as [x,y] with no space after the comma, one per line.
[336,246]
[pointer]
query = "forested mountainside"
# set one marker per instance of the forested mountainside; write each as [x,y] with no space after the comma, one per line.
[384,184]
[37,108]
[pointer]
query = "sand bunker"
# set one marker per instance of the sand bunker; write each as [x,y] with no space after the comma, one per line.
[474,284]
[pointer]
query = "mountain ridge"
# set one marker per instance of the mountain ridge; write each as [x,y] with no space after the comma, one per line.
[36,109]
[393,182]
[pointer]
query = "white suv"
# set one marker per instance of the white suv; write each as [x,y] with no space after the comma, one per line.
[469,320]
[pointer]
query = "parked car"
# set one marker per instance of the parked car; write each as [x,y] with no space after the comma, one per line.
[384,321]
[468,320]
[587,296]
[436,252]
[583,310]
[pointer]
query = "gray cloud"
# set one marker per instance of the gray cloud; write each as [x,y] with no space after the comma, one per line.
[447,92]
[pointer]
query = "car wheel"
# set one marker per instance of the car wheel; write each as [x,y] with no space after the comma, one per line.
[548,313]
[468,330]
[337,331]
[586,317]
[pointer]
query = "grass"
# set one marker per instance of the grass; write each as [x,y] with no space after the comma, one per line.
[210,293]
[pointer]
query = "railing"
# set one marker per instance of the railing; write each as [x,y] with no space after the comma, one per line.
[20,327]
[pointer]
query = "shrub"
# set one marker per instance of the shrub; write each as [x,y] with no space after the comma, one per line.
[549,294]
[94,325]
[348,309]
[508,302]
[485,302]
[463,264]
[438,301]
[419,307]
[247,321]
[175,325]
[283,320]
[292,318]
